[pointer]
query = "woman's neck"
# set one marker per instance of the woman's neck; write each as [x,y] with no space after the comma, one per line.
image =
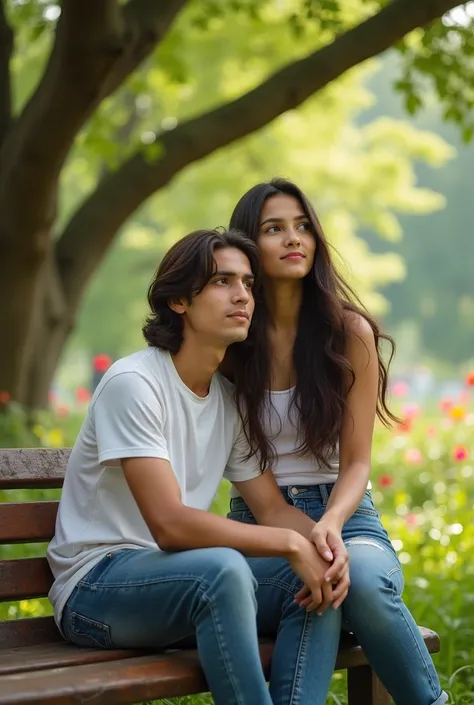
[283,301]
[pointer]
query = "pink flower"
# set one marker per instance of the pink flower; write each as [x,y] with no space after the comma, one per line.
[400,389]
[414,456]
[446,404]
[411,411]
[460,453]
[432,432]
[63,410]
[385,481]
[411,519]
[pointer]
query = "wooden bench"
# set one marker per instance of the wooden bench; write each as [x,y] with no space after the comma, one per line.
[38,666]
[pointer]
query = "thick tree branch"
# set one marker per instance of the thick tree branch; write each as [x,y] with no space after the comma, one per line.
[89,37]
[92,228]
[147,22]
[98,43]
[6,49]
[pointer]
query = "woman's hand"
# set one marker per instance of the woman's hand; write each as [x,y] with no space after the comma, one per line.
[317,593]
[326,536]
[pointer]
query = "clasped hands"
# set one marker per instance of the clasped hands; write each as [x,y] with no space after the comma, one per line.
[326,573]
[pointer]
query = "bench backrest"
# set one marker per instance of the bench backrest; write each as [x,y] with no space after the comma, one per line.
[28,522]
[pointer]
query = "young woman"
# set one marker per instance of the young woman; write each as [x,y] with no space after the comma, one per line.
[309,387]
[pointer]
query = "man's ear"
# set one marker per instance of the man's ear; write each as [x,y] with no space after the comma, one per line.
[178,306]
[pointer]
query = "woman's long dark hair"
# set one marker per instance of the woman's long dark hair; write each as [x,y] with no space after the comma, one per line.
[324,375]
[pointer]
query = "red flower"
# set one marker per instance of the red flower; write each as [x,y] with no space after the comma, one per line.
[385,481]
[405,425]
[102,363]
[460,453]
[82,395]
[4,397]
[470,379]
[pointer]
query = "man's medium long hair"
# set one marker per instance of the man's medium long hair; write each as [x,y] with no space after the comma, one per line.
[183,273]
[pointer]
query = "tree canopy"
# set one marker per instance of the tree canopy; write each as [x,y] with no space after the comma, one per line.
[139,90]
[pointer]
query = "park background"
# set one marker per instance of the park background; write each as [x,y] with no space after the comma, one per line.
[383,151]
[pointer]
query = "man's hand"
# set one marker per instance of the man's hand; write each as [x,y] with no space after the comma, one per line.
[326,536]
[311,568]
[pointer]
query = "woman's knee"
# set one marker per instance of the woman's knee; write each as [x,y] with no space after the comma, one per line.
[375,572]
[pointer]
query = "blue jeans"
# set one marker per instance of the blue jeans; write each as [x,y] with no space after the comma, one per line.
[373,608]
[143,598]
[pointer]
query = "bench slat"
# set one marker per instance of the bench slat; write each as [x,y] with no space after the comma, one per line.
[121,682]
[43,656]
[24,578]
[32,468]
[134,679]
[27,522]
[28,632]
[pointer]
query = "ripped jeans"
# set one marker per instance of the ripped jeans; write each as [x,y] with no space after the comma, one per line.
[374,609]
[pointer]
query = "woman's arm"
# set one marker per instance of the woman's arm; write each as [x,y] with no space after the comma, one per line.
[355,442]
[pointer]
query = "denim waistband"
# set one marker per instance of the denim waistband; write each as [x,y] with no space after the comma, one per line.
[313,493]
[320,492]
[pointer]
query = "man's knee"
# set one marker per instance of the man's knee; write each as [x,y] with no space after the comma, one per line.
[229,568]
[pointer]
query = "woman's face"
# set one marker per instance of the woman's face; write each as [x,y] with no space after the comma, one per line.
[286,241]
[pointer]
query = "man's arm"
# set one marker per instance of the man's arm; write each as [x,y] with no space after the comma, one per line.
[176,527]
[264,499]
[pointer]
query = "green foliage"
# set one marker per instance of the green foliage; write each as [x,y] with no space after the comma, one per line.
[438,309]
[15,428]
[442,57]
[20,428]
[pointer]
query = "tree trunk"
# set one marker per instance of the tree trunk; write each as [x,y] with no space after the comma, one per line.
[48,336]
[21,280]
[97,45]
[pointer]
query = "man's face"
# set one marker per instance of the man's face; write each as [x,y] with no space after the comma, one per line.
[221,313]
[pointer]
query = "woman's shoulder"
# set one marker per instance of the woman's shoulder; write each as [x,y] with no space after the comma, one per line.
[357,325]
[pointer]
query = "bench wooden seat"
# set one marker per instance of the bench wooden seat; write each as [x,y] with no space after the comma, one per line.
[38,666]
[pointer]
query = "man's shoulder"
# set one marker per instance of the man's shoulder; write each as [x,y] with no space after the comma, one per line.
[145,367]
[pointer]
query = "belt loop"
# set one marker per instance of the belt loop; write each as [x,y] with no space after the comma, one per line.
[324,494]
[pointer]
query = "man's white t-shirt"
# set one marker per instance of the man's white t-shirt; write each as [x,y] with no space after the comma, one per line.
[141,408]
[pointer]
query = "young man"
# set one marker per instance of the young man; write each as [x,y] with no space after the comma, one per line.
[138,560]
